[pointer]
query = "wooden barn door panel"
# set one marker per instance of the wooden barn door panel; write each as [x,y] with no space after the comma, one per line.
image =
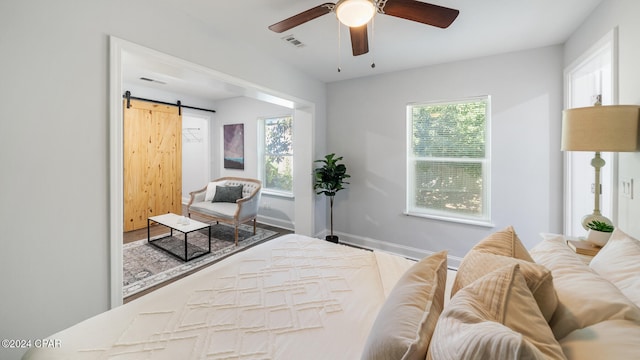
[166,165]
[152,162]
[137,126]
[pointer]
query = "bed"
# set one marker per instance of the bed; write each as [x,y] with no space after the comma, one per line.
[286,298]
[296,297]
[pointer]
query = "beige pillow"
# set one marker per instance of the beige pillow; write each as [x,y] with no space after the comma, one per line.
[500,249]
[539,279]
[495,317]
[403,327]
[504,242]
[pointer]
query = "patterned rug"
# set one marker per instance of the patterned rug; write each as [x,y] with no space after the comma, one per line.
[146,266]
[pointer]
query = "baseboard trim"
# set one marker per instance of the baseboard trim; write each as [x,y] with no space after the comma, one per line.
[453,262]
[271,221]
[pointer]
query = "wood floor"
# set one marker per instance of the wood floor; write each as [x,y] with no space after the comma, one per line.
[159,230]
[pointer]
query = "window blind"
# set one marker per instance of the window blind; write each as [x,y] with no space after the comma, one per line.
[448,159]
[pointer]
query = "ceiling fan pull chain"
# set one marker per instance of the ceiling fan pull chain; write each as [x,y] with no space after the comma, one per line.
[339,57]
[373,42]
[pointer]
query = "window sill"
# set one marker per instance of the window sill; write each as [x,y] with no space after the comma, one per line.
[483,223]
[275,193]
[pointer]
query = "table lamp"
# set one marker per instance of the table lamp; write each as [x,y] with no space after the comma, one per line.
[600,128]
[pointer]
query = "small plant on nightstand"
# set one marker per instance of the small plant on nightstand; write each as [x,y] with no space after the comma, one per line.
[599,232]
[600,226]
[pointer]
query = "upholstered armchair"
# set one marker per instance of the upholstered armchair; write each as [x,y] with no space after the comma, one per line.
[231,200]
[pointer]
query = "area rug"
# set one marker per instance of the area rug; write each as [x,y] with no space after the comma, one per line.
[145,266]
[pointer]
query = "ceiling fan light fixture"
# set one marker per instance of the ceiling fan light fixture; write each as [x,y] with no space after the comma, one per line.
[355,13]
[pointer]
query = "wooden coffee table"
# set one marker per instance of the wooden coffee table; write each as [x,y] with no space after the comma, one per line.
[172,221]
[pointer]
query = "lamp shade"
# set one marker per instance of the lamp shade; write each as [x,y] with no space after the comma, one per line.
[354,13]
[601,128]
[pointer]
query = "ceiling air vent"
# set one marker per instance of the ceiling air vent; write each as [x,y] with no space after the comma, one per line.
[153,80]
[293,41]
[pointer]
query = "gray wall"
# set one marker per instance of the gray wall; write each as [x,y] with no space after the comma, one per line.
[54,144]
[526,100]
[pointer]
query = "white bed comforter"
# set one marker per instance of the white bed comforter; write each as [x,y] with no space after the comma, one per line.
[293,297]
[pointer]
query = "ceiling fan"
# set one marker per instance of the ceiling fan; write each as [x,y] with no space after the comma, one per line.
[356,14]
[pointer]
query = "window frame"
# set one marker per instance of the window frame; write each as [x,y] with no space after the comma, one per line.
[410,208]
[262,155]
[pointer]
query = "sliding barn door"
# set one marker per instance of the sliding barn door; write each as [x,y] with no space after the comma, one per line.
[152,162]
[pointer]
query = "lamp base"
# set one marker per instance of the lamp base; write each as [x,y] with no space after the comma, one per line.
[597,217]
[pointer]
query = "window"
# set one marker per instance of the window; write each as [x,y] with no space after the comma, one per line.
[276,165]
[448,160]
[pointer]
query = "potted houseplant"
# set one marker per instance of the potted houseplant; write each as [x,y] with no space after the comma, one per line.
[599,232]
[329,179]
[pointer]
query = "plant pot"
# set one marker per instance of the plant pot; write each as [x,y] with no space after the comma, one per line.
[598,238]
[332,238]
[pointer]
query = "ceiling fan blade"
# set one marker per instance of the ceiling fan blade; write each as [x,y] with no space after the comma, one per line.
[421,12]
[302,17]
[359,40]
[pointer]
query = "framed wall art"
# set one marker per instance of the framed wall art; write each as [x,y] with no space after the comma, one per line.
[234,146]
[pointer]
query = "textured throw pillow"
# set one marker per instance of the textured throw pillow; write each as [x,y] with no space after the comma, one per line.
[539,279]
[495,317]
[619,262]
[403,327]
[228,193]
[504,248]
[504,242]
[211,189]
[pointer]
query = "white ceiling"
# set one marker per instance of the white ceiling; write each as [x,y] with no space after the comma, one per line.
[484,27]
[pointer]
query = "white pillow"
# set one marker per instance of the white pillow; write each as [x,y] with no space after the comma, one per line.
[619,262]
[211,189]
[611,339]
[585,297]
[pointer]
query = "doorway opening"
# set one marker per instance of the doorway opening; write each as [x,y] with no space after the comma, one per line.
[304,112]
[590,78]
[196,152]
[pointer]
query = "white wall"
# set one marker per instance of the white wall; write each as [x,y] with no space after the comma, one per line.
[622,14]
[54,135]
[274,210]
[526,100]
[196,152]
